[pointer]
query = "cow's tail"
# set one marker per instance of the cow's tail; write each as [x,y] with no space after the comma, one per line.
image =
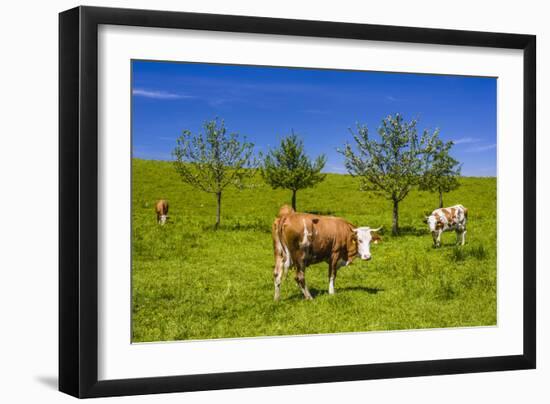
[287,259]
[280,245]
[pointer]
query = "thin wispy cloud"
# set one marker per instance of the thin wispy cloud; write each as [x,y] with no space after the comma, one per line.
[390,98]
[478,149]
[159,95]
[466,140]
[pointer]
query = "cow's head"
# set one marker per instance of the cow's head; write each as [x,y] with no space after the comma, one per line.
[432,222]
[366,236]
[435,223]
[163,219]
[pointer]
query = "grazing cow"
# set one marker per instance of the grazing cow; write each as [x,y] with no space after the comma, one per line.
[302,239]
[162,211]
[445,219]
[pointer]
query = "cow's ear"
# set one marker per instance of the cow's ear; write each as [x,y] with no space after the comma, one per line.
[375,238]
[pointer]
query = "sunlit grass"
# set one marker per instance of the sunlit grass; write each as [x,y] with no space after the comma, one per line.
[191,282]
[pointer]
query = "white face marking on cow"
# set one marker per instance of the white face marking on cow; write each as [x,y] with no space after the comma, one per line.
[432,222]
[364,238]
[163,219]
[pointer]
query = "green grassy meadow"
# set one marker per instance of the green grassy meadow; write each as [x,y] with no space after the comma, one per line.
[192,282]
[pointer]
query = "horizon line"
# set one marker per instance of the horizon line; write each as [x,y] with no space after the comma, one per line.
[323,172]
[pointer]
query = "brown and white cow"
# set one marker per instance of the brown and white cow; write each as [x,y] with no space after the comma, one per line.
[161,208]
[445,219]
[302,239]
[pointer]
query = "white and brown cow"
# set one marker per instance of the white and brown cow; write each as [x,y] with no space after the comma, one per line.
[161,207]
[302,239]
[446,219]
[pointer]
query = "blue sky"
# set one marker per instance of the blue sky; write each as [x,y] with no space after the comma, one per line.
[266,103]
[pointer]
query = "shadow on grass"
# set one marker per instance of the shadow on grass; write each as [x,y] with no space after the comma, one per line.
[447,245]
[258,227]
[320,212]
[321,292]
[412,231]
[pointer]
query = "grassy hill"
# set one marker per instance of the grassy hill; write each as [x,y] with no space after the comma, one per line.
[191,282]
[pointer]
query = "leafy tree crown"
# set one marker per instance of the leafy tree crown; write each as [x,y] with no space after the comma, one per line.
[391,164]
[441,169]
[213,159]
[288,166]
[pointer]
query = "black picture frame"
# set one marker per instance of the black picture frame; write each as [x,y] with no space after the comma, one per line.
[78,201]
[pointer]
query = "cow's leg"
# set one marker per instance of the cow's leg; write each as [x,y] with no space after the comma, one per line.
[301,281]
[332,270]
[460,235]
[277,277]
[331,279]
[436,235]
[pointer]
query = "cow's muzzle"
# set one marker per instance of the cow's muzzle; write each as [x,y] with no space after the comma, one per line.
[366,257]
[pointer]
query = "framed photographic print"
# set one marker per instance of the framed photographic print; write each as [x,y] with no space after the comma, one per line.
[251,201]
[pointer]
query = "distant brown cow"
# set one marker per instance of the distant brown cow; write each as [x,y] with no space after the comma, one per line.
[161,208]
[302,239]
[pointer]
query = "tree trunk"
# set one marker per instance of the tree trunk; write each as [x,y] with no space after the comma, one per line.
[218,209]
[440,198]
[294,200]
[395,222]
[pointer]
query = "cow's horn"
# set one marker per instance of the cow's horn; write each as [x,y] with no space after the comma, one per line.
[377,229]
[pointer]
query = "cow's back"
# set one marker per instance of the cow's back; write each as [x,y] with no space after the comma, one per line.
[291,227]
[450,217]
[320,235]
[332,233]
[162,207]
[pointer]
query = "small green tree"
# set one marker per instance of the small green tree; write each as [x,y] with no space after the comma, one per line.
[213,159]
[393,165]
[288,167]
[441,170]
